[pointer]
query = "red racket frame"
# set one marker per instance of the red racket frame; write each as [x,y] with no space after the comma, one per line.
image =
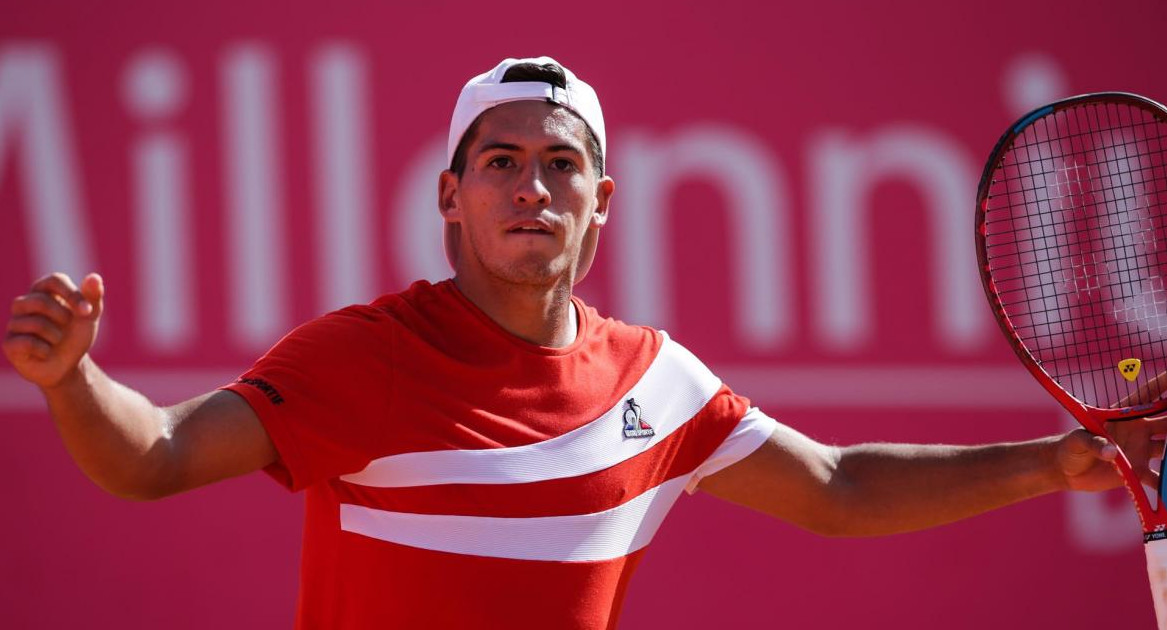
[1093,419]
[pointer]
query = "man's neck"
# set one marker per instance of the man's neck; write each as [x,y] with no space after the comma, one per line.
[543,316]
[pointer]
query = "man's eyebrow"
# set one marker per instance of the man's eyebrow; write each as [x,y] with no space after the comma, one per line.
[498,146]
[564,147]
[506,146]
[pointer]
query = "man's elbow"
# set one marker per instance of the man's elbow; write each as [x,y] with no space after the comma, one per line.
[841,513]
[855,521]
[140,493]
[829,525]
[136,485]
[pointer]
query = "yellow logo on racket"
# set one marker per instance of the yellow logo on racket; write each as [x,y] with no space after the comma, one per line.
[1129,368]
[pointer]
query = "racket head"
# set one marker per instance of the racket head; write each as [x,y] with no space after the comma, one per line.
[1071,230]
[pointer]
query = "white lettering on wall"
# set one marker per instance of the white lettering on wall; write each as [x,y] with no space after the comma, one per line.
[254,197]
[154,88]
[844,170]
[1030,81]
[337,76]
[34,127]
[36,130]
[758,208]
[416,230]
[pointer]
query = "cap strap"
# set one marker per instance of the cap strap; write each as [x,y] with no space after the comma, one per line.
[490,95]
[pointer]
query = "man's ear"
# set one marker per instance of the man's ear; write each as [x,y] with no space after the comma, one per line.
[604,189]
[448,197]
[452,214]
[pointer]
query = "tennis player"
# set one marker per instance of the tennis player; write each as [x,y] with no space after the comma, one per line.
[491,435]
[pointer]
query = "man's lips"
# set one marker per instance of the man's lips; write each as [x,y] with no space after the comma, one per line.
[532,226]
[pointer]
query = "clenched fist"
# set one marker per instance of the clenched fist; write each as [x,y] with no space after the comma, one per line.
[52,327]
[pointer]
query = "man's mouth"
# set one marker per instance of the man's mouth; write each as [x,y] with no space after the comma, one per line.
[530,228]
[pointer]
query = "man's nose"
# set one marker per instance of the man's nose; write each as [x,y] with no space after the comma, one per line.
[530,188]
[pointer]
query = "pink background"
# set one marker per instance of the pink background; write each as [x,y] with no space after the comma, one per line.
[727,121]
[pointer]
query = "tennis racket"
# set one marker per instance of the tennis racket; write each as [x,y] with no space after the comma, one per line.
[1071,236]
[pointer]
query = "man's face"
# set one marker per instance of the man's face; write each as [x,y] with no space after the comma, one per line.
[528,197]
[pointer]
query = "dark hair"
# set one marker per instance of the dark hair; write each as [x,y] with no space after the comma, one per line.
[523,72]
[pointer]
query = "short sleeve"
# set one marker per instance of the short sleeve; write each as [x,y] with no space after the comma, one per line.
[727,428]
[320,392]
[750,433]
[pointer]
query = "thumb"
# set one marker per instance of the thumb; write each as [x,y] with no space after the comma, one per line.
[93,290]
[1080,450]
[1103,448]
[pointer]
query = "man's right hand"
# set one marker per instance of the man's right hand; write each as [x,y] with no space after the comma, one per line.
[119,439]
[52,327]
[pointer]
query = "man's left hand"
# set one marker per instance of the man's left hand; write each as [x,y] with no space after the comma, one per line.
[1086,461]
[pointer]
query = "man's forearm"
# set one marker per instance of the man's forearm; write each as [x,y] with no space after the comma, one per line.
[115,435]
[891,488]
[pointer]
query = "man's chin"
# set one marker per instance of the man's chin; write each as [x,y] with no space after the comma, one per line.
[536,272]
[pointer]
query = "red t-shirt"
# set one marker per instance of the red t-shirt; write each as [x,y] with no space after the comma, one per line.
[457,476]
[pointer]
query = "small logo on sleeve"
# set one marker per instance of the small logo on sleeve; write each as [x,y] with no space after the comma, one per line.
[634,425]
[272,393]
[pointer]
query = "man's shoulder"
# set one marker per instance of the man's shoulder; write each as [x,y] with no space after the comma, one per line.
[618,334]
[420,293]
[416,302]
[378,317]
[601,320]
[639,337]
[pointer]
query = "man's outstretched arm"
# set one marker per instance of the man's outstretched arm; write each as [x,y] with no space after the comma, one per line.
[876,489]
[119,439]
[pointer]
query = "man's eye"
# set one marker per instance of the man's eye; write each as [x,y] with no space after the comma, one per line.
[501,161]
[562,164]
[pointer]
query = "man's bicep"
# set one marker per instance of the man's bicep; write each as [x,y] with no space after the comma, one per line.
[217,436]
[789,477]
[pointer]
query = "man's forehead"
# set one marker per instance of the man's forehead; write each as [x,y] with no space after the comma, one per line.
[531,121]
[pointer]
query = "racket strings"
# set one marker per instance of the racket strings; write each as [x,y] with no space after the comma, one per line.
[1159,180]
[1096,135]
[1055,248]
[1074,226]
[1051,245]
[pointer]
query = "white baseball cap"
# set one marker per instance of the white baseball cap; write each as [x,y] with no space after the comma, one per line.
[487,90]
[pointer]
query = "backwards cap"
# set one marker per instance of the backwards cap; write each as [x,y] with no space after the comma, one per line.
[487,90]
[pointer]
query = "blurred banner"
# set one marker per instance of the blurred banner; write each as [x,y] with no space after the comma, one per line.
[795,191]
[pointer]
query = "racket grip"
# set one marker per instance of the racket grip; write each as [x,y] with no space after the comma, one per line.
[1157,560]
[1157,573]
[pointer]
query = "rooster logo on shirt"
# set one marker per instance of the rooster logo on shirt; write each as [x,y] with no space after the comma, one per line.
[634,425]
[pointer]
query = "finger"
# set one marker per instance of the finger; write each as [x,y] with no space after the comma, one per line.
[1150,476]
[62,286]
[56,283]
[1111,426]
[37,326]
[1146,392]
[93,290]
[1096,445]
[27,347]
[44,305]
[1156,422]
[1103,448]
[1143,434]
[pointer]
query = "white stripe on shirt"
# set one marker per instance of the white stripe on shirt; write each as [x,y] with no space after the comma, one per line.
[605,535]
[672,390]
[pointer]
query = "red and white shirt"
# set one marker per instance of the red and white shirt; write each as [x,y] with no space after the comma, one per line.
[458,476]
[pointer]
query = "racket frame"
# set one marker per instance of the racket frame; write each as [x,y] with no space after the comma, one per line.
[1093,419]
